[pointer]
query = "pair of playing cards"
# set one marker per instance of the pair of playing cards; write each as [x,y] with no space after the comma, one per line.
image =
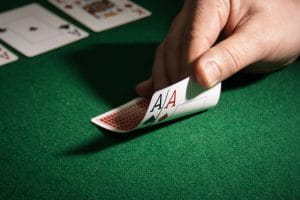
[180,99]
[33,30]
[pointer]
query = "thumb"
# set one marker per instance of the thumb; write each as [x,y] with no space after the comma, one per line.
[206,20]
[229,56]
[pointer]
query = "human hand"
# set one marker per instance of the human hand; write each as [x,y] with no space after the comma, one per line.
[248,32]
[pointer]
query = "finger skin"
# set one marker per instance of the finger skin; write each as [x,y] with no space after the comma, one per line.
[159,78]
[252,32]
[260,35]
[167,60]
[172,50]
[159,74]
[231,55]
[207,19]
[145,88]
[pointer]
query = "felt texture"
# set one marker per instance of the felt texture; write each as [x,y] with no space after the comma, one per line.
[247,147]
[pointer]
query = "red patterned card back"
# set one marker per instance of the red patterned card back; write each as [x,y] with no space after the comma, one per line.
[127,118]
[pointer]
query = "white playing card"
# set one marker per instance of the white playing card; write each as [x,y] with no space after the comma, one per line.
[163,103]
[6,56]
[100,15]
[33,30]
[180,99]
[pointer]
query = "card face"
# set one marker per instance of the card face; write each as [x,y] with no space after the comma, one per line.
[180,99]
[164,102]
[33,30]
[100,15]
[6,56]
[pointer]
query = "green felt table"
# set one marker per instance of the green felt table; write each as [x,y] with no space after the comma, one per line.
[247,147]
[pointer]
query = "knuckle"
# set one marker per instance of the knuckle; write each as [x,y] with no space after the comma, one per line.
[194,35]
[224,6]
[233,59]
[207,41]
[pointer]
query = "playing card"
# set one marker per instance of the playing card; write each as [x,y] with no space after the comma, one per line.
[180,99]
[6,56]
[124,118]
[33,30]
[101,15]
[164,102]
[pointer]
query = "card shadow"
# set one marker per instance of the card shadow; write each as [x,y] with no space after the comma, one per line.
[108,139]
[112,71]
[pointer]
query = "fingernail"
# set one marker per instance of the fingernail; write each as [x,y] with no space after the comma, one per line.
[213,73]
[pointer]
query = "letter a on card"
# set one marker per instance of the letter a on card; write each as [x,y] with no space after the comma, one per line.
[158,103]
[171,101]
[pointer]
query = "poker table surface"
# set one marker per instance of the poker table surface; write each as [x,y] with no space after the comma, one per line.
[247,147]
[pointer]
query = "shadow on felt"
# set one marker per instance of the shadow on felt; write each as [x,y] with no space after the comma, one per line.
[112,71]
[109,139]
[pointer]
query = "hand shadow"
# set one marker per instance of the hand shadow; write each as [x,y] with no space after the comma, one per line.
[241,80]
[113,70]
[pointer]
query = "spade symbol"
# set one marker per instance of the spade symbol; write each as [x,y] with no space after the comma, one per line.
[64,26]
[5,56]
[68,6]
[127,5]
[3,30]
[75,32]
[149,121]
[33,28]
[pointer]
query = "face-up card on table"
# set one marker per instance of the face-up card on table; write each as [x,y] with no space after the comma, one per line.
[180,99]
[6,56]
[100,15]
[33,30]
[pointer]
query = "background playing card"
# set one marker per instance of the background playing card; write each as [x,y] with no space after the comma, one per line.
[101,15]
[33,30]
[6,56]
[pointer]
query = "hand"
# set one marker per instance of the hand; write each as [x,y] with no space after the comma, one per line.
[213,39]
